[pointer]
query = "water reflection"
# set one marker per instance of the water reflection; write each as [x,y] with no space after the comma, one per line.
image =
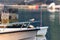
[52,17]
[53,21]
[41,38]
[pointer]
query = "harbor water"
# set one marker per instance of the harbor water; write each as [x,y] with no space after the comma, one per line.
[41,38]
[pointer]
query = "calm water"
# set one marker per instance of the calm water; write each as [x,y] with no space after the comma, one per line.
[53,21]
[41,38]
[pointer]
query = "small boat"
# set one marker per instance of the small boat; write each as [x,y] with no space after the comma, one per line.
[17,33]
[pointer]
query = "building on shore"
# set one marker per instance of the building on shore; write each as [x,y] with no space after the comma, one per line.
[22,1]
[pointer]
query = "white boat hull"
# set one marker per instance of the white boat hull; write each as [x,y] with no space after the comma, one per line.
[18,36]
[21,35]
[42,31]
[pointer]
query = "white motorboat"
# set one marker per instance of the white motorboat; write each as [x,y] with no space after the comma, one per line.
[21,33]
[17,33]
